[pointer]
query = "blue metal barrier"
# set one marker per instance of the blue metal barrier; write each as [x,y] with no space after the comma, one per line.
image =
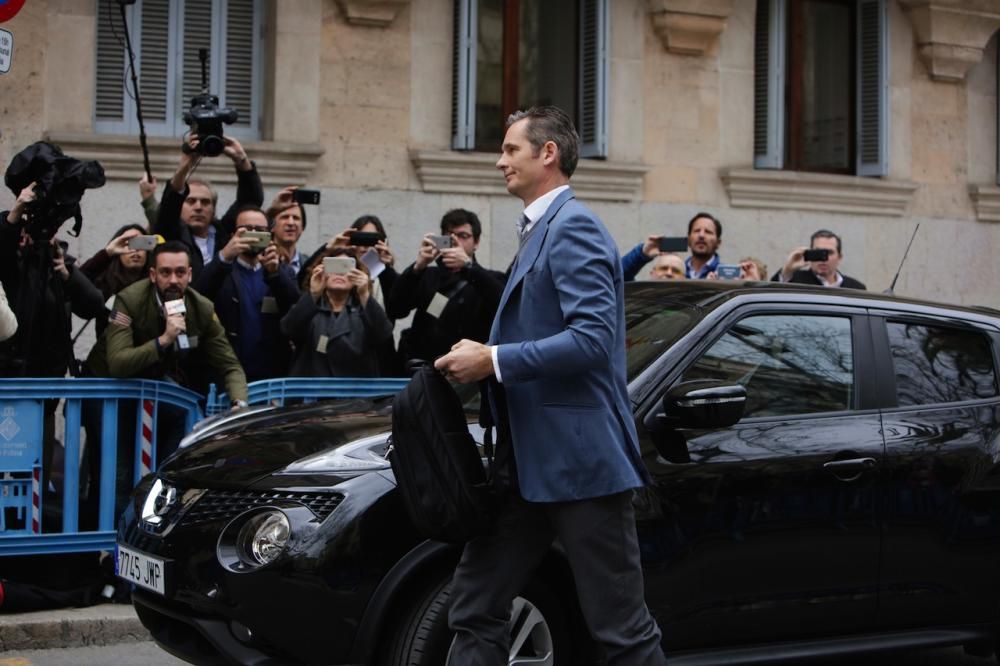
[22,406]
[308,389]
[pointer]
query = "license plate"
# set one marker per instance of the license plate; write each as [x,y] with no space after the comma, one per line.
[142,569]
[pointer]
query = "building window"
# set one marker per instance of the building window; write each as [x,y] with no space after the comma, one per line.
[166,36]
[821,86]
[512,54]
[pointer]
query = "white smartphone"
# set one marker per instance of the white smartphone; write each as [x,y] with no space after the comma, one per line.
[146,243]
[338,265]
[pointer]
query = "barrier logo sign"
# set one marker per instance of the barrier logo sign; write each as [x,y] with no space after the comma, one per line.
[6,49]
[20,435]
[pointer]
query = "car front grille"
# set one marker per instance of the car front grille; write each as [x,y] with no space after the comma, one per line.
[220,505]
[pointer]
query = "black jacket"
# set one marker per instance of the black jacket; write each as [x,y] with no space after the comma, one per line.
[42,302]
[473,296]
[218,283]
[249,191]
[806,276]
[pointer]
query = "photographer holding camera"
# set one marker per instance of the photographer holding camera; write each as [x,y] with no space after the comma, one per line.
[188,207]
[454,296]
[818,264]
[252,291]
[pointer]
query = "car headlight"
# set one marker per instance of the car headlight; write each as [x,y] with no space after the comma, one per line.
[263,538]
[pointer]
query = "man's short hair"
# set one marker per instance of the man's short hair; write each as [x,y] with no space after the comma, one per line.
[550,123]
[718,225]
[459,216]
[211,189]
[170,247]
[826,233]
[252,208]
[274,211]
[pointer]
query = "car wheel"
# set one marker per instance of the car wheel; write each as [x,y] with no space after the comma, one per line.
[539,635]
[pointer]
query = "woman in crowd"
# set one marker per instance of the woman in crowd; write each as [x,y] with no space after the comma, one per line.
[116,267]
[336,326]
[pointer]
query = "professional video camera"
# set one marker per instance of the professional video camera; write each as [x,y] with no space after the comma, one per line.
[59,185]
[205,116]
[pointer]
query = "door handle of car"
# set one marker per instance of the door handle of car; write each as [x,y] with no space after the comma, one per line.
[851,469]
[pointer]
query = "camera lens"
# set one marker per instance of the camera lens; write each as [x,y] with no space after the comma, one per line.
[211,145]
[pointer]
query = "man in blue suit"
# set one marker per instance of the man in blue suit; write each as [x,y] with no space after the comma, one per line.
[568,457]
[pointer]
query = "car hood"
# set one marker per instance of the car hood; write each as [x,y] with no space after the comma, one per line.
[342,438]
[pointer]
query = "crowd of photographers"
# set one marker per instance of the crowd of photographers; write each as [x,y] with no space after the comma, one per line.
[194,297]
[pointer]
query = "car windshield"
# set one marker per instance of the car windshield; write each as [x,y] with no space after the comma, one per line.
[651,327]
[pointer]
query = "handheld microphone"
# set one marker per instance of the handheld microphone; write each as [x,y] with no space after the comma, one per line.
[178,307]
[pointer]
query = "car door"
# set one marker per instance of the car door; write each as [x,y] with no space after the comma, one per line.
[941,515]
[766,530]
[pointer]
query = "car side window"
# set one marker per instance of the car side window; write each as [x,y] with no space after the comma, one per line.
[789,364]
[935,364]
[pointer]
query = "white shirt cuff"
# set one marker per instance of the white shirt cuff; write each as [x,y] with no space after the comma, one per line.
[496,362]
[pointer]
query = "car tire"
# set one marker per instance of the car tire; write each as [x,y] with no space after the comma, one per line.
[419,636]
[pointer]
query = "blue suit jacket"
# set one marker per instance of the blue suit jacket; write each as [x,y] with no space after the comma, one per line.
[560,328]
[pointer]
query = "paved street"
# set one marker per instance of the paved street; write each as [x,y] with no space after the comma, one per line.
[148,654]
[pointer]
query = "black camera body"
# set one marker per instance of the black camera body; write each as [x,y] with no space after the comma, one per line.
[206,119]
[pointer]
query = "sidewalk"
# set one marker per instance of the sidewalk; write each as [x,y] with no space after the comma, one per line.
[103,624]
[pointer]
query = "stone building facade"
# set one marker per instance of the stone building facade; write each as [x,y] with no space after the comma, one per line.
[357,98]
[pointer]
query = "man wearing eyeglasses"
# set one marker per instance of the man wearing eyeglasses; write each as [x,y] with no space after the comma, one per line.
[454,296]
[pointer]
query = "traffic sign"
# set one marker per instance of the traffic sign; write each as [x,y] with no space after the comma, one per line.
[8,8]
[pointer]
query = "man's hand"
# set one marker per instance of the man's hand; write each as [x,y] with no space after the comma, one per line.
[427,253]
[362,284]
[174,327]
[236,246]
[59,262]
[651,246]
[147,189]
[343,239]
[235,152]
[796,260]
[467,362]
[189,160]
[270,259]
[748,271]
[283,199]
[25,197]
[454,258]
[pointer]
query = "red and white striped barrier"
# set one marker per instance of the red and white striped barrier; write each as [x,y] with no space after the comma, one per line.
[146,462]
[36,500]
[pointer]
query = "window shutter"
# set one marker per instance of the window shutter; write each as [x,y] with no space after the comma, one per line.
[872,92]
[463,89]
[111,62]
[240,61]
[197,35]
[154,34]
[769,85]
[593,78]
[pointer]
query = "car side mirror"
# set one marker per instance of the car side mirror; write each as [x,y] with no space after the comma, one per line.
[703,404]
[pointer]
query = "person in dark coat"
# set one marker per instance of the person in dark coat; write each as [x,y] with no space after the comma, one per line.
[337,327]
[823,273]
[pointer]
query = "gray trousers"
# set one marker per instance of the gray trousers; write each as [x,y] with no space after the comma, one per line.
[598,536]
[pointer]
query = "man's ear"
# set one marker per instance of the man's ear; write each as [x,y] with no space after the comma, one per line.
[152,274]
[550,152]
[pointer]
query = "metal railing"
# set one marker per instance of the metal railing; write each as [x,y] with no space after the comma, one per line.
[22,416]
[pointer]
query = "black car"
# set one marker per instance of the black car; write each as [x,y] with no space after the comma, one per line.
[826,469]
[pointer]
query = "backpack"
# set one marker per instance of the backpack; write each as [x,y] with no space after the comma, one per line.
[437,465]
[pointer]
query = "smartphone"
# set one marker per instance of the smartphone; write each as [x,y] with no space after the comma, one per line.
[338,265]
[366,238]
[261,240]
[146,243]
[442,242]
[816,255]
[673,244]
[310,197]
[728,271]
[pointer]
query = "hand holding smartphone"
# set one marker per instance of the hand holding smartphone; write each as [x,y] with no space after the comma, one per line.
[301,196]
[442,242]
